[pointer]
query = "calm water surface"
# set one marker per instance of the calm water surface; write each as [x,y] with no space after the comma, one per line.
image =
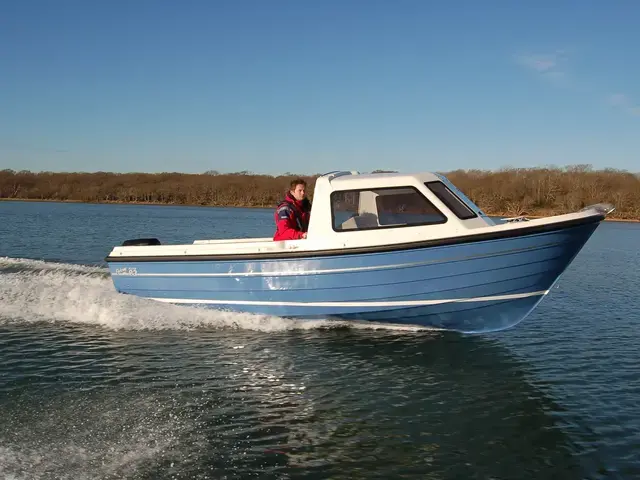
[98,385]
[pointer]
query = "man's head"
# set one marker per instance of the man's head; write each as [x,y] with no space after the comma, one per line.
[298,189]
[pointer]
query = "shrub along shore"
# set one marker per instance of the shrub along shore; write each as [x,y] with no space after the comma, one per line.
[507,192]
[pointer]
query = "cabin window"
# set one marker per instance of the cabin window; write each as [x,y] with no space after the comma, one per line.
[382,208]
[451,200]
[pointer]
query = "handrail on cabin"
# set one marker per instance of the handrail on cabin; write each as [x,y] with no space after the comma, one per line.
[339,173]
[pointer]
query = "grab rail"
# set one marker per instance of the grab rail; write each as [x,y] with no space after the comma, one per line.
[339,173]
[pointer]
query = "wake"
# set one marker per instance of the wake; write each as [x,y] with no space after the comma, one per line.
[35,291]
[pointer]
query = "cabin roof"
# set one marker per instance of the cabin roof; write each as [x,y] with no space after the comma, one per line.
[346,180]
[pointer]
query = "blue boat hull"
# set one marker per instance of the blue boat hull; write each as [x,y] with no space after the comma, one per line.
[476,286]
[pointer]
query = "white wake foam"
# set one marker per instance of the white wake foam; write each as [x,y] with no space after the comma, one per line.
[42,266]
[35,291]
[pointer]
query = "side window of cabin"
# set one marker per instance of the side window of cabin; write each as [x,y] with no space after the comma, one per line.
[451,200]
[344,206]
[382,208]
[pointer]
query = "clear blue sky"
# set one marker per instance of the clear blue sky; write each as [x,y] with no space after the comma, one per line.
[312,86]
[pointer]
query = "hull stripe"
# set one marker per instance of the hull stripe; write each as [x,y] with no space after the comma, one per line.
[263,273]
[400,303]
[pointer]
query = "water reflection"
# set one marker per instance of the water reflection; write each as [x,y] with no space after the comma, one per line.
[452,406]
[337,403]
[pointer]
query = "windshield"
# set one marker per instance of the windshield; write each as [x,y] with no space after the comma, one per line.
[464,198]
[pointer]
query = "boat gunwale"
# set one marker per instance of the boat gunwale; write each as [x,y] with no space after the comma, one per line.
[520,231]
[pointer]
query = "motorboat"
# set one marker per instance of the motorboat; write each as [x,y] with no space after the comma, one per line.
[395,248]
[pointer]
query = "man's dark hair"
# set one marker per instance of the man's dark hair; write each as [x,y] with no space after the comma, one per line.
[297,181]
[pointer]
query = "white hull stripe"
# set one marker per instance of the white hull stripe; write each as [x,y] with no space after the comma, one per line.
[263,273]
[402,303]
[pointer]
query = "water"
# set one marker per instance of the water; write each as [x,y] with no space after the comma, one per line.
[98,385]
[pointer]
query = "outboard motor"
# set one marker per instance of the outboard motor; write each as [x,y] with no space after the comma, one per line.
[139,242]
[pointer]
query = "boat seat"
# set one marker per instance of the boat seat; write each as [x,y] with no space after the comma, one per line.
[366,220]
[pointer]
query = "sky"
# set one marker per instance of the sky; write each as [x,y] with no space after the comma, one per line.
[315,86]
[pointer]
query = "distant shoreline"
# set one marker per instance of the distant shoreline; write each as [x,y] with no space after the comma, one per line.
[118,202]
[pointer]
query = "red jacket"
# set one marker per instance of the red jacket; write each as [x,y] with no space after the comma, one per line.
[292,218]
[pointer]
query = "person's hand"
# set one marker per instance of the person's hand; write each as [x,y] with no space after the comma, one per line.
[304,235]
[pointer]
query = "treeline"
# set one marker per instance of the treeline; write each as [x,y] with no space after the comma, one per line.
[241,189]
[511,191]
[550,190]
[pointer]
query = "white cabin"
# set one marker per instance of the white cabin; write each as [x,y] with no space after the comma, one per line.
[348,203]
